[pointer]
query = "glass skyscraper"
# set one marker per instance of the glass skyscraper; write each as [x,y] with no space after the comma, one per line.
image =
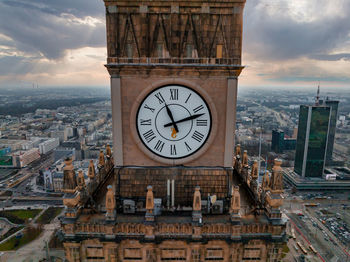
[313,129]
[332,126]
[277,141]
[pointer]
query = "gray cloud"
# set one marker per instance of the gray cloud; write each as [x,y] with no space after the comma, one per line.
[13,65]
[42,27]
[333,57]
[281,37]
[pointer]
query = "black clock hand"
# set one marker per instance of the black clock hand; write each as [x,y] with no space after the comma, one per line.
[184,119]
[171,118]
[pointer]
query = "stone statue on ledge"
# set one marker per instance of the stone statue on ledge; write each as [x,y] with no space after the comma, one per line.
[69,177]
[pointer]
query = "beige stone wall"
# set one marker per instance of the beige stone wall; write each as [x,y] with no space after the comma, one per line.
[133,250]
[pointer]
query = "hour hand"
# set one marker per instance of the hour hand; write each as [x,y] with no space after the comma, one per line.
[171,118]
[184,119]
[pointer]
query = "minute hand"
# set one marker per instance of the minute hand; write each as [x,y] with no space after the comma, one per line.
[184,119]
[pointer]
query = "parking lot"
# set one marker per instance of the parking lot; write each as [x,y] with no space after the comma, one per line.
[321,221]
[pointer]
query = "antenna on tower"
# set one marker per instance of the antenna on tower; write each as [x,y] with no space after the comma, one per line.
[318,95]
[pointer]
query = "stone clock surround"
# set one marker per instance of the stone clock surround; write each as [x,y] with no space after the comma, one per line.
[165,82]
[127,93]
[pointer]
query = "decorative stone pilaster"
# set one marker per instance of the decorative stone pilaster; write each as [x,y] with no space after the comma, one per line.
[197,206]
[274,198]
[81,180]
[69,177]
[238,150]
[110,204]
[237,165]
[235,205]
[149,205]
[109,156]
[245,159]
[108,151]
[254,175]
[92,172]
[101,159]
[276,183]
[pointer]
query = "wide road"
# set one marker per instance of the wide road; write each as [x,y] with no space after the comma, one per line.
[312,234]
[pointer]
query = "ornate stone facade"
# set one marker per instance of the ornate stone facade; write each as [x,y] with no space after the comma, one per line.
[248,228]
[139,207]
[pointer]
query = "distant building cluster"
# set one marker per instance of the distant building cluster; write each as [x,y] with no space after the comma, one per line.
[76,132]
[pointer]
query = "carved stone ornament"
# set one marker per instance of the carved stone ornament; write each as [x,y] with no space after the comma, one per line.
[69,178]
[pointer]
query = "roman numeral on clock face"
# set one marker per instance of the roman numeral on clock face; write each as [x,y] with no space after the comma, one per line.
[198,108]
[197,136]
[146,122]
[160,97]
[149,108]
[188,147]
[159,146]
[200,122]
[174,94]
[172,150]
[149,135]
[188,98]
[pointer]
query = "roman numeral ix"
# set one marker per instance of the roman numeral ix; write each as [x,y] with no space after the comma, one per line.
[146,122]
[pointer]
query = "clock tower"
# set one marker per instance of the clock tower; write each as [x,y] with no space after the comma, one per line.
[170,61]
[176,187]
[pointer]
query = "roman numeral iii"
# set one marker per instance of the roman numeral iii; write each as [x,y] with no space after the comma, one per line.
[200,122]
[197,136]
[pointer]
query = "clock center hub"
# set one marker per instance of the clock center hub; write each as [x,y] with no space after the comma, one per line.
[169,133]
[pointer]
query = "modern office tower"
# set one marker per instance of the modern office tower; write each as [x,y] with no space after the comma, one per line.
[174,187]
[313,129]
[333,104]
[277,143]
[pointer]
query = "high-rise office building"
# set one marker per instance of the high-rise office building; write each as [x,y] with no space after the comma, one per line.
[333,104]
[277,141]
[312,138]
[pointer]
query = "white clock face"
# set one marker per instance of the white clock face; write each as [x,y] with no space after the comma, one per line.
[173,121]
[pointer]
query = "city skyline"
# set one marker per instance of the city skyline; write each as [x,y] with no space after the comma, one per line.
[285,44]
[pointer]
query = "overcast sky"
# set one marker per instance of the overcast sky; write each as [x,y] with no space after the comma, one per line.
[287,43]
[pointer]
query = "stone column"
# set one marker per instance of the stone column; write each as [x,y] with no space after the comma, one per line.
[231,103]
[117,120]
